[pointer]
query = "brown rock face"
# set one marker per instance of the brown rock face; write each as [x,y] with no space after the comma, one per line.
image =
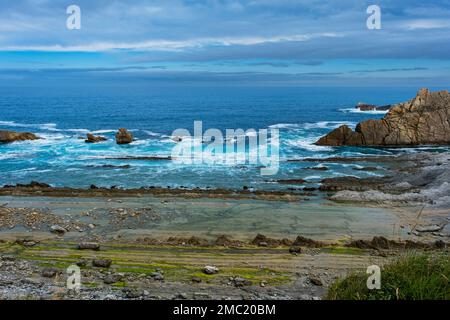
[94,139]
[123,136]
[12,136]
[422,120]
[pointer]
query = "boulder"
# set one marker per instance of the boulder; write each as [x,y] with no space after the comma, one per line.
[422,120]
[123,136]
[94,139]
[366,107]
[210,270]
[12,136]
[57,230]
[101,263]
[89,246]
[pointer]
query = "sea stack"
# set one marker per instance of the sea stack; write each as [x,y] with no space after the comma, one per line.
[123,136]
[12,136]
[422,120]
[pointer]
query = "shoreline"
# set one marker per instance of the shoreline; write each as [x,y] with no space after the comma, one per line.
[266,244]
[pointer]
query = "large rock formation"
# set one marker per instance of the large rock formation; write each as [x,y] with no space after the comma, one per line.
[422,120]
[123,136]
[12,136]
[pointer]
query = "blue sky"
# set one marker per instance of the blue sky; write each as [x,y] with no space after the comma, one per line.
[269,42]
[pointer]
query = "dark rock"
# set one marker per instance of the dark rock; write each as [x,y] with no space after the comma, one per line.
[81,263]
[366,107]
[318,168]
[306,242]
[89,246]
[123,136]
[112,278]
[440,244]
[316,281]
[291,181]
[34,184]
[380,243]
[101,263]
[241,282]
[49,272]
[295,250]
[196,279]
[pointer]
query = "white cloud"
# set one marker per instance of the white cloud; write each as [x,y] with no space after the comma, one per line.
[426,24]
[170,45]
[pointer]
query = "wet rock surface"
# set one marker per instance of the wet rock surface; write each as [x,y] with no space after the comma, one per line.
[422,120]
[13,136]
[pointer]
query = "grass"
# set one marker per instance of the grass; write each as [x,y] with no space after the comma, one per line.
[416,276]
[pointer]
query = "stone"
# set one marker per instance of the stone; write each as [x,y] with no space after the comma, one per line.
[57,230]
[316,281]
[81,263]
[94,139]
[306,242]
[295,250]
[439,244]
[123,136]
[112,278]
[422,120]
[49,272]
[196,279]
[89,246]
[13,136]
[210,270]
[101,263]
[157,276]
[366,107]
[241,282]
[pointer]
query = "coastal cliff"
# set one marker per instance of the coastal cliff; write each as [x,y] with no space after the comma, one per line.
[422,120]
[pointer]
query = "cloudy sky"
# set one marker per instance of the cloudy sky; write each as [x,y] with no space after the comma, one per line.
[282,42]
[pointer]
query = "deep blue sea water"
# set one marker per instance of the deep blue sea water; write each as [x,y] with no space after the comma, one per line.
[62,116]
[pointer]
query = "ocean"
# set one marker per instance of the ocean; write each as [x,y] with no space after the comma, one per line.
[62,116]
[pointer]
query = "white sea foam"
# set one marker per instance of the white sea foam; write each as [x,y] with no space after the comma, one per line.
[284,126]
[103,131]
[328,124]
[307,143]
[357,110]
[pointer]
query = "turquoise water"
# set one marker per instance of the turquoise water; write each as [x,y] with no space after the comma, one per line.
[63,159]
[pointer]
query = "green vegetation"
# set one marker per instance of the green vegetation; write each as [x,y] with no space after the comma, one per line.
[423,276]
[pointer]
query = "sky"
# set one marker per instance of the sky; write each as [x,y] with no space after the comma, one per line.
[235,42]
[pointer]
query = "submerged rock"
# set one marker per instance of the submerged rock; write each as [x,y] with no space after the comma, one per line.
[422,120]
[123,136]
[12,136]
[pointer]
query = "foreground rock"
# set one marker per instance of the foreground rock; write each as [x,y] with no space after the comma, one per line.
[12,136]
[123,136]
[422,120]
[94,139]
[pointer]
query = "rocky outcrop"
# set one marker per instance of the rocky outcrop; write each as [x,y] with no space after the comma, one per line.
[12,136]
[123,136]
[371,107]
[422,120]
[94,139]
